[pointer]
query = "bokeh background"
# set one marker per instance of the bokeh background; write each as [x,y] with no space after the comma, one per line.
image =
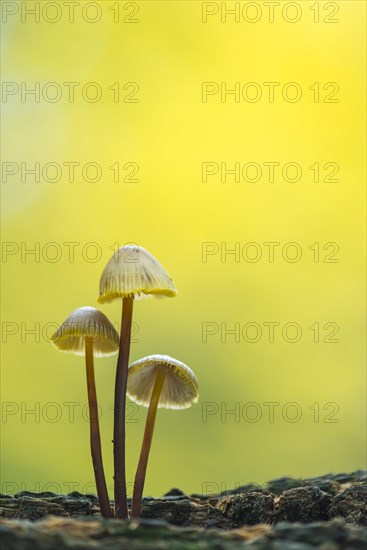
[169,52]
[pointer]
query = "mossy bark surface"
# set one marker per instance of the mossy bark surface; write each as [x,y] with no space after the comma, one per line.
[287,514]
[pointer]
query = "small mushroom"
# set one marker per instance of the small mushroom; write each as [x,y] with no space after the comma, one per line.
[88,332]
[131,273]
[157,381]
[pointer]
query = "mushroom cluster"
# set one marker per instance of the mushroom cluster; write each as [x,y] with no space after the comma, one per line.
[154,381]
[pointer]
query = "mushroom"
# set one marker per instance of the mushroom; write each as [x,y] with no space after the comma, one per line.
[88,332]
[157,381]
[131,273]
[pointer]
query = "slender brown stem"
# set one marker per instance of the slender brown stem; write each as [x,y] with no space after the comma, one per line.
[147,441]
[121,510]
[95,438]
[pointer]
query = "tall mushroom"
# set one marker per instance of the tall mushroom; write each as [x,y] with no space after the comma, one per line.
[131,273]
[157,381]
[88,332]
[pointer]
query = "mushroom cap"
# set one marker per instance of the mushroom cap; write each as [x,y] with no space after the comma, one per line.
[180,388]
[82,323]
[133,272]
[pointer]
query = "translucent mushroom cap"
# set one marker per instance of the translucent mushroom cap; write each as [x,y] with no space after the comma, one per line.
[82,323]
[133,272]
[180,388]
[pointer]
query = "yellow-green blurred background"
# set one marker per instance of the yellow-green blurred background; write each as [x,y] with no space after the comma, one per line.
[169,133]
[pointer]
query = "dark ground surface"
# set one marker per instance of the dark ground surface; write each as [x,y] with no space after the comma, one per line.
[327,513]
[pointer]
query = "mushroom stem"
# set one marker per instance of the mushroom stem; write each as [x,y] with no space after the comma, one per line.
[95,438]
[121,510]
[145,448]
